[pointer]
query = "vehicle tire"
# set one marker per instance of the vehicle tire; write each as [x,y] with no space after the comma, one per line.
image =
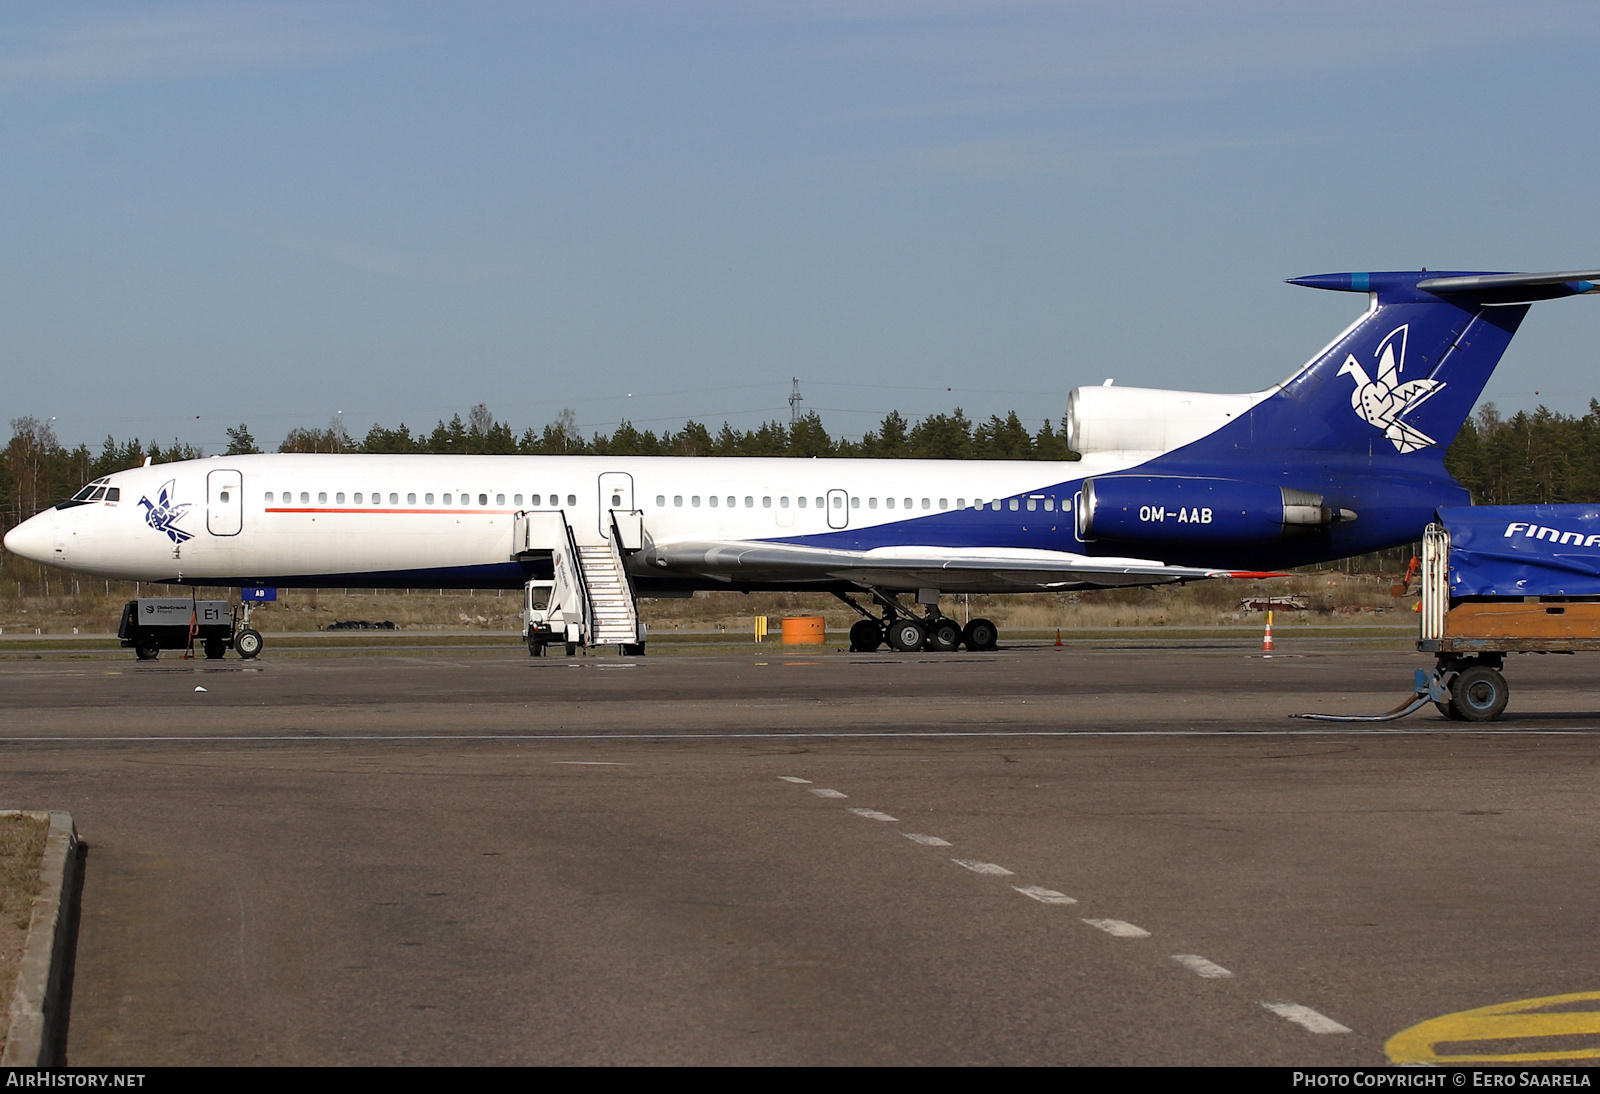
[944,636]
[632,649]
[535,649]
[215,648]
[866,635]
[907,635]
[572,649]
[1478,694]
[147,651]
[247,643]
[980,634]
[1446,710]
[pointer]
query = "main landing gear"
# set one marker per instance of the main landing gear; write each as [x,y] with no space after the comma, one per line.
[905,633]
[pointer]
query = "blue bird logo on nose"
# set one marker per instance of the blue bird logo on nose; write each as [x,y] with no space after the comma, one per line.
[164,515]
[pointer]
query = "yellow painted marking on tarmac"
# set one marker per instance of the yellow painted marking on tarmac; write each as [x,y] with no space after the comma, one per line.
[1523,1020]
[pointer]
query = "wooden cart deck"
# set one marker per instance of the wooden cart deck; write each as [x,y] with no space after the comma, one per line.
[1518,626]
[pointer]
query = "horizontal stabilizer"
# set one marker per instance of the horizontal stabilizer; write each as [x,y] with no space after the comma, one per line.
[1580,281]
[1463,288]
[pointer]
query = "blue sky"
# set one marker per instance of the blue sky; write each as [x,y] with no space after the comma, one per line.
[272,213]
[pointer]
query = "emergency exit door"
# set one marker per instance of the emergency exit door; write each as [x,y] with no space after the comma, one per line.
[838,509]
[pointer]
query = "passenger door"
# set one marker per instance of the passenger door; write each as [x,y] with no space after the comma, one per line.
[616,492]
[224,503]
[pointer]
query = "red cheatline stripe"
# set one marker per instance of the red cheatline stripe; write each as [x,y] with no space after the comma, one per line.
[442,512]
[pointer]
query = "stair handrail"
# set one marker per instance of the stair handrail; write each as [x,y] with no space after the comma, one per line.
[583,580]
[622,566]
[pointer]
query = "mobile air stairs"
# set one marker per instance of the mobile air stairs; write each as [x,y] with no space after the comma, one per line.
[589,600]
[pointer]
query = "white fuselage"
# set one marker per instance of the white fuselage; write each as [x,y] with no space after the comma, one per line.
[416,520]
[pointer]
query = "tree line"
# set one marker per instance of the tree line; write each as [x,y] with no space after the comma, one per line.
[938,436]
[1540,456]
[37,470]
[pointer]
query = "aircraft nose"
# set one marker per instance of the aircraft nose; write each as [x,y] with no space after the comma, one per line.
[34,538]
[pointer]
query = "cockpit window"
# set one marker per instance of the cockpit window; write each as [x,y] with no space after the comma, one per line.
[92,492]
[84,494]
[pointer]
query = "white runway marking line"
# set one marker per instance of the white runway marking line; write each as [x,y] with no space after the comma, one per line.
[824,792]
[982,867]
[592,763]
[1306,1017]
[1118,929]
[1198,965]
[1043,895]
[302,739]
[926,841]
[793,779]
[872,814]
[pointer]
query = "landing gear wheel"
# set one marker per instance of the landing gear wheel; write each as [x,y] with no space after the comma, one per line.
[147,651]
[907,635]
[944,636]
[1479,694]
[247,643]
[866,635]
[215,648]
[980,634]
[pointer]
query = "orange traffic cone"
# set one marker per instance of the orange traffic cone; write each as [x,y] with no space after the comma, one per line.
[1266,638]
[1058,638]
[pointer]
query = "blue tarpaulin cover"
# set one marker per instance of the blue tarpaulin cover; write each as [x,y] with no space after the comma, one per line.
[1524,550]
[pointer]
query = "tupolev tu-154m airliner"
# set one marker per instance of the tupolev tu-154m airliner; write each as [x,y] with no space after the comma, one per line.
[1343,457]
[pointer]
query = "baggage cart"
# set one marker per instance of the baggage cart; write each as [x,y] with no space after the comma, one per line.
[1499,580]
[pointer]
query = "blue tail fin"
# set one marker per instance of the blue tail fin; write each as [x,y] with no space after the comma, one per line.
[1405,376]
[1366,424]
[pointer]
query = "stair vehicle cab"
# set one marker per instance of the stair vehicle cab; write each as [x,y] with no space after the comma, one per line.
[536,625]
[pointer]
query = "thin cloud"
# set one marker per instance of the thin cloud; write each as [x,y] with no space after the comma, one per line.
[473,270]
[1008,158]
[997,58]
[180,43]
[408,265]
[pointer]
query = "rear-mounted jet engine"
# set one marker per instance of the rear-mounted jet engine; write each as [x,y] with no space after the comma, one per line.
[1171,509]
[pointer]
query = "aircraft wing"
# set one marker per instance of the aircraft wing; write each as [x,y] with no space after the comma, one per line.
[952,569]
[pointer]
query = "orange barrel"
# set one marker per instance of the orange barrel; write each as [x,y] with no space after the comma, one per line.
[805,630]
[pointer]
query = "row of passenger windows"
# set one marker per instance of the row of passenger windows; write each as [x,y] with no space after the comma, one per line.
[713,501]
[286,497]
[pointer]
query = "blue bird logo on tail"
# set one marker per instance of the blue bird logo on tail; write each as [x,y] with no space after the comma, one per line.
[164,515]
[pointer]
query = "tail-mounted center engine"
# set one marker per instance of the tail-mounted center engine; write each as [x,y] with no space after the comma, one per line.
[1159,509]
